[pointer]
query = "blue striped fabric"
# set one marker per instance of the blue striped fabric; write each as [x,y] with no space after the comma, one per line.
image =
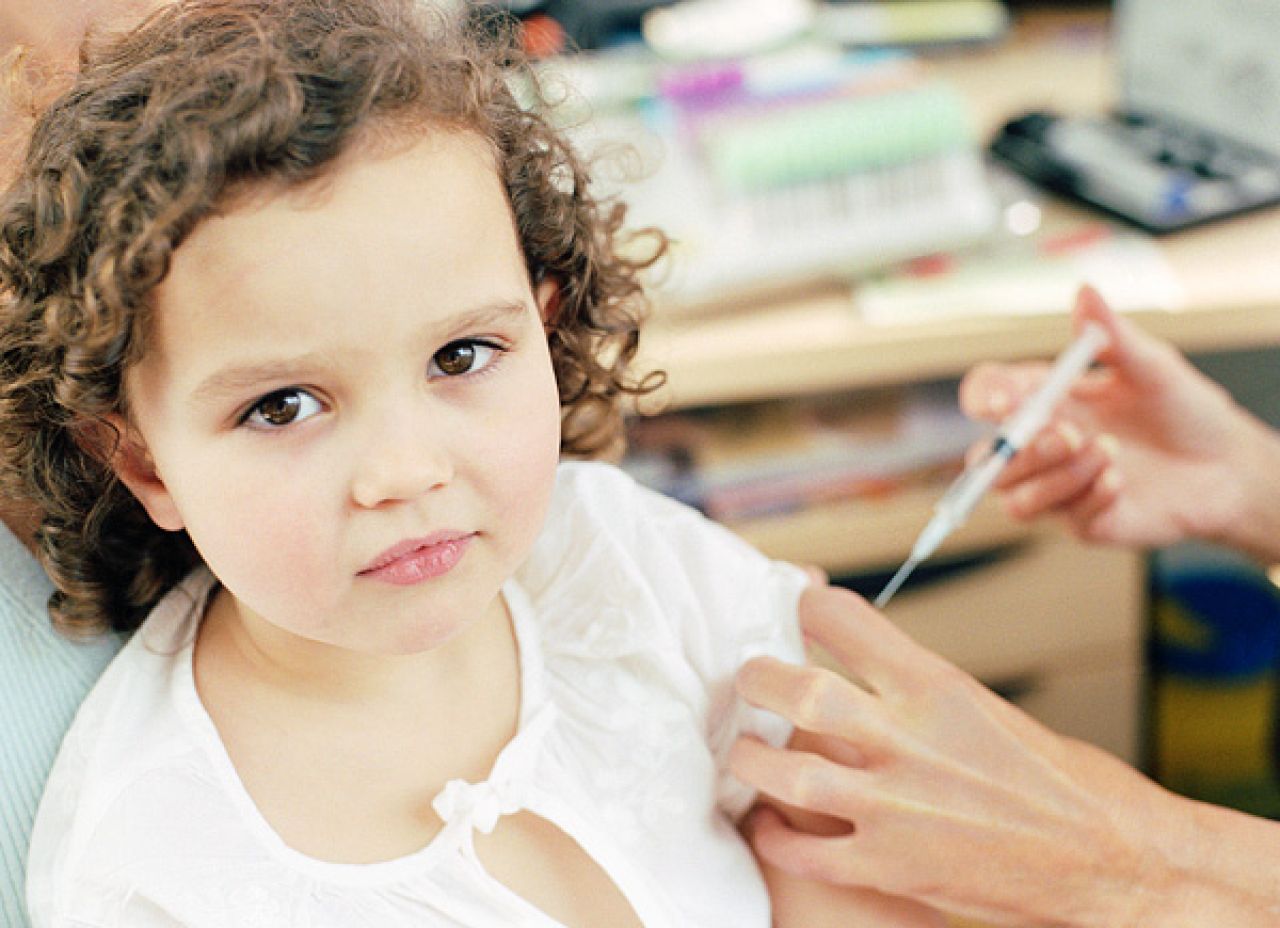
[43,678]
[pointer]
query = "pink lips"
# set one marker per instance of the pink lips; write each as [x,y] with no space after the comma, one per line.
[417,559]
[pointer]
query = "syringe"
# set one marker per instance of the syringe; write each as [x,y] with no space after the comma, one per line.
[956,504]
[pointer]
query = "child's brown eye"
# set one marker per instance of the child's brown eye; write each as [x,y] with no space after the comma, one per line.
[284,407]
[456,358]
[465,356]
[280,408]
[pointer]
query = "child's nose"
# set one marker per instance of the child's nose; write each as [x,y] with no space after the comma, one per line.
[400,462]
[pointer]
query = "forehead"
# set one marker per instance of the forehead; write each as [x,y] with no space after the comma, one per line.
[414,211]
[438,189]
[425,222]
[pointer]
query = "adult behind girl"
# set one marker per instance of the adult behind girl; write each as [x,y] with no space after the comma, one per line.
[305,310]
[43,675]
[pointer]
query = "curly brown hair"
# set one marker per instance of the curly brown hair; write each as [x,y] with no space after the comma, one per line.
[162,126]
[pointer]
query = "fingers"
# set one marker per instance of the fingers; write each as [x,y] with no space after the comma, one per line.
[796,778]
[990,391]
[860,639]
[1122,336]
[825,858]
[1061,470]
[1130,351]
[1056,444]
[1058,486]
[817,576]
[814,699]
[1083,514]
[840,750]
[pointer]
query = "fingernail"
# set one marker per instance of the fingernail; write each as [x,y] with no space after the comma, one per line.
[1111,480]
[1071,435]
[1108,444]
[1022,499]
[998,402]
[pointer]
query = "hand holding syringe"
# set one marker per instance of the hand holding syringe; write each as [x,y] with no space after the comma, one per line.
[956,504]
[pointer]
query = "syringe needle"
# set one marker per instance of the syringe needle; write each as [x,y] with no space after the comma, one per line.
[1017,430]
[895,584]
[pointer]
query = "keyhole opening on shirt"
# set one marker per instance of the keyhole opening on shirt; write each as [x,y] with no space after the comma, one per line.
[547,868]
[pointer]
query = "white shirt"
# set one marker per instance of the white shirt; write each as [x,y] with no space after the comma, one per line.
[631,615]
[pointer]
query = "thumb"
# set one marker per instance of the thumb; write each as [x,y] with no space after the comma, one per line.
[1130,352]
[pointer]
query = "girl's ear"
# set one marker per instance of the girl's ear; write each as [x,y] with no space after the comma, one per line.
[547,296]
[130,459]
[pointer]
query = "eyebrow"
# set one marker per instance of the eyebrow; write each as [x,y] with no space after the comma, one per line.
[237,379]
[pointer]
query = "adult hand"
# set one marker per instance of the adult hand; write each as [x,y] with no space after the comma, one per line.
[1145,451]
[950,795]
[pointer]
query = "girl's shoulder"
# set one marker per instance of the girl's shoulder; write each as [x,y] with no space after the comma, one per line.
[608,538]
[601,514]
[596,504]
[599,498]
[635,595]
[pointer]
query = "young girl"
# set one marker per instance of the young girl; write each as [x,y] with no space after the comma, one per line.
[305,309]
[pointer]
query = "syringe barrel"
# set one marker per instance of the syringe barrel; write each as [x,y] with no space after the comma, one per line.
[1035,411]
[971,486]
[967,489]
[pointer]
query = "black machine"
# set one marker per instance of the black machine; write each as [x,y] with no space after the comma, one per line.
[1196,135]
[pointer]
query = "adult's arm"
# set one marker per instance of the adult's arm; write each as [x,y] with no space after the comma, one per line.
[1146,451]
[959,800]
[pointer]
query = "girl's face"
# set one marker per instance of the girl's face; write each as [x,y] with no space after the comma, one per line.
[348,402]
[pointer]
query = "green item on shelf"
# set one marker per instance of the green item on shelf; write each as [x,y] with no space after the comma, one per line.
[835,136]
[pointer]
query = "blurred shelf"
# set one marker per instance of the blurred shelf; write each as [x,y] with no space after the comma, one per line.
[817,343]
[862,535]
[776,345]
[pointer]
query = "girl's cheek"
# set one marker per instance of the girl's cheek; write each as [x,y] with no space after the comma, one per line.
[265,518]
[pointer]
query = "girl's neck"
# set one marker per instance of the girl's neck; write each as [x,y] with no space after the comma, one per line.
[385,735]
[264,656]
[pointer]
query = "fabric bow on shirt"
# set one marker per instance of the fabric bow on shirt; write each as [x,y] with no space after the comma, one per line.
[480,805]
